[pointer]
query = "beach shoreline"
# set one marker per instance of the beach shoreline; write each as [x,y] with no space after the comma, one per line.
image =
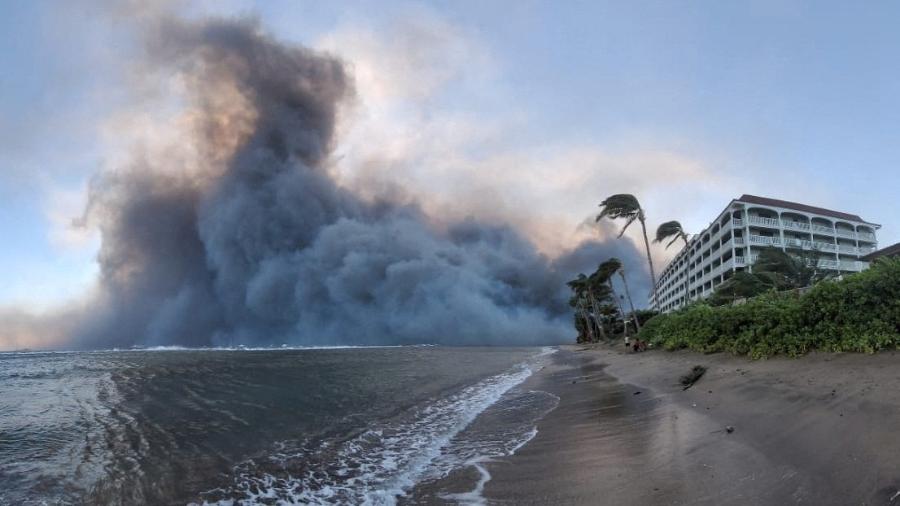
[814,430]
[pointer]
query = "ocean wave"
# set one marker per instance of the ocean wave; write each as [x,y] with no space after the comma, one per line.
[284,347]
[384,463]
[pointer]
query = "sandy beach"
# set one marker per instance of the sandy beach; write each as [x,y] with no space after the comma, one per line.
[816,430]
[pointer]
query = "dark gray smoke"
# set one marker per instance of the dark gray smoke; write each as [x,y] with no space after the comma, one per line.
[259,245]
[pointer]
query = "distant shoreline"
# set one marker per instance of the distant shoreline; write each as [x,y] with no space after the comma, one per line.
[815,430]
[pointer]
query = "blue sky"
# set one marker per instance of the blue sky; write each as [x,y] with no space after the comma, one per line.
[546,106]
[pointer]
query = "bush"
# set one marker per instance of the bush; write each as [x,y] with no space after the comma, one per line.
[860,313]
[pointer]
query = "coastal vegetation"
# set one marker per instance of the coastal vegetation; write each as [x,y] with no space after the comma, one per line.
[858,313]
[599,310]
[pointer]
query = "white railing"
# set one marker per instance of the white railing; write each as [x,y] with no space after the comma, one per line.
[739,260]
[738,241]
[850,265]
[761,239]
[800,243]
[846,233]
[737,222]
[822,228]
[828,264]
[867,236]
[796,225]
[865,250]
[759,220]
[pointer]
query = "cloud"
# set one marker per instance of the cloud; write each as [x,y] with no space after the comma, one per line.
[414,131]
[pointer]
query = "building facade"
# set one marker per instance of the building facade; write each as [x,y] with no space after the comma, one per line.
[732,242]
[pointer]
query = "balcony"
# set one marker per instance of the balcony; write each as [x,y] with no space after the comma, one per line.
[761,239]
[851,265]
[735,222]
[795,225]
[823,229]
[828,264]
[846,233]
[738,241]
[766,222]
[865,236]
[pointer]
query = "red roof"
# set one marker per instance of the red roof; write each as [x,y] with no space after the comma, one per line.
[753,199]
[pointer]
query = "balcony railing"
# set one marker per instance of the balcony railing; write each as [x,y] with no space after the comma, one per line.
[867,236]
[738,241]
[828,264]
[822,228]
[761,239]
[796,225]
[850,265]
[768,222]
[736,222]
[846,233]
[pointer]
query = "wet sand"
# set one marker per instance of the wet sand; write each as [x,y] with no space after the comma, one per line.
[820,430]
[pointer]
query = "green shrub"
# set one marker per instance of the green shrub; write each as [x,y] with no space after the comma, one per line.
[860,313]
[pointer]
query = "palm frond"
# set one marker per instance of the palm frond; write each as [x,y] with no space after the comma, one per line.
[606,269]
[670,229]
[621,205]
[627,224]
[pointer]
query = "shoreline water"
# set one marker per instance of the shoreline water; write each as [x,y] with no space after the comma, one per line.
[815,430]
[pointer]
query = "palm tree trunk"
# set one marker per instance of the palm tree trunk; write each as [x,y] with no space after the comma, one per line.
[649,260]
[619,304]
[637,324]
[687,273]
[596,313]
[587,322]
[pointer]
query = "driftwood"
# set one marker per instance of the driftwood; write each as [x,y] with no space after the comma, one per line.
[688,380]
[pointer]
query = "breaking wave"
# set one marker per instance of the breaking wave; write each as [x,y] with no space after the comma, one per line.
[481,422]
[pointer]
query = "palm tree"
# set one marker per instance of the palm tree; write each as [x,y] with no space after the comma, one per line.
[614,266]
[584,289]
[601,279]
[670,229]
[674,230]
[625,205]
[578,286]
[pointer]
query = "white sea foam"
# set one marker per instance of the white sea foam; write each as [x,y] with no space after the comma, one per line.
[379,465]
[216,348]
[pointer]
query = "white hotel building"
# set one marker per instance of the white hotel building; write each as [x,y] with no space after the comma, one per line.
[747,225]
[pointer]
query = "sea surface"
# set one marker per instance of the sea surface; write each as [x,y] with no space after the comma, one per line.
[239,426]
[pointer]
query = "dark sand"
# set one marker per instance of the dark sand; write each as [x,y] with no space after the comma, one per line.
[819,430]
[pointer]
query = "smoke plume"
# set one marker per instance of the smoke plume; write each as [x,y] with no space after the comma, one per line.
[254,242]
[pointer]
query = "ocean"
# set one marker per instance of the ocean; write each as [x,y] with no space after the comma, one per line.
[244,426]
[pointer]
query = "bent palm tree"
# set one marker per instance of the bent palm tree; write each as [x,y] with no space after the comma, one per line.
[625,205]
[614,266]
[674,230]
[586,300]
[579,287]
[670,229]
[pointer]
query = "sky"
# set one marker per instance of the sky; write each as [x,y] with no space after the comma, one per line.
[527,113]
